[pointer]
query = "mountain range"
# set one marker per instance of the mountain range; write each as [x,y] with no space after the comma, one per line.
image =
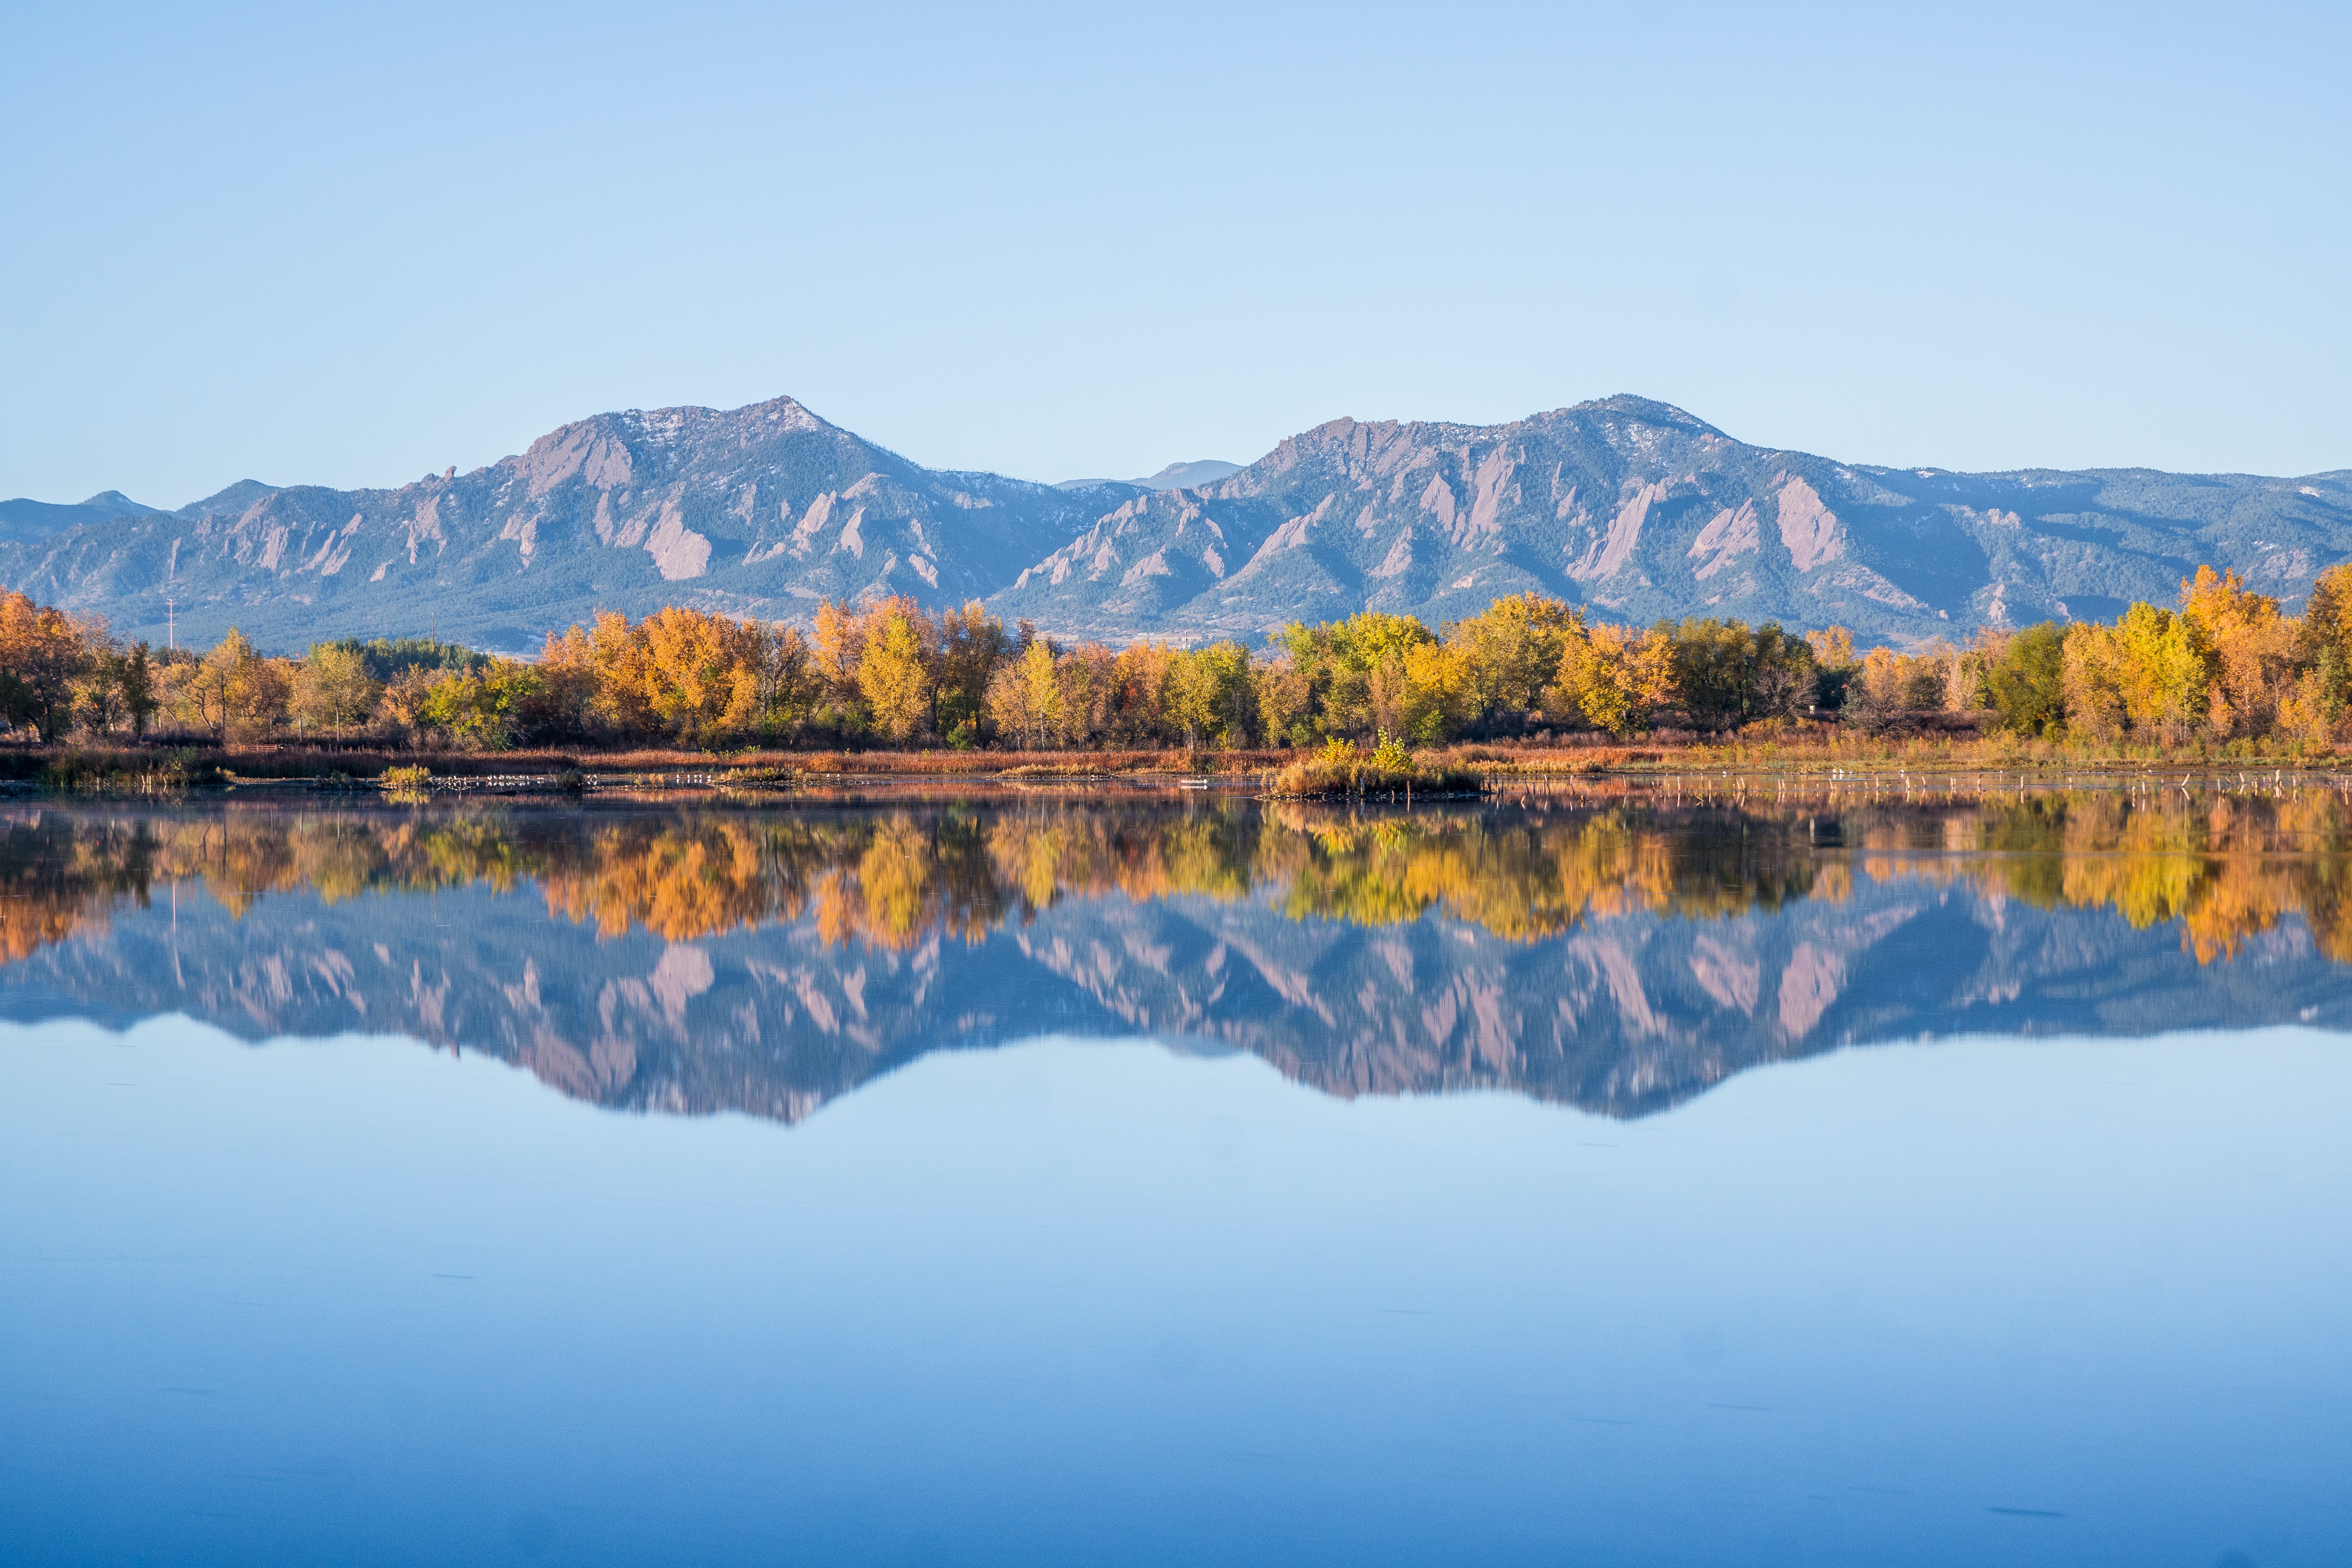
[1631,507]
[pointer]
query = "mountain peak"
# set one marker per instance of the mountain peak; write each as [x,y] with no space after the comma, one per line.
[114,503]
[25,522]
[236,498]
[1647,409]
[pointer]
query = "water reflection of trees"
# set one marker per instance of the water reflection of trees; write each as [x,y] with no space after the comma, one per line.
[2225,868]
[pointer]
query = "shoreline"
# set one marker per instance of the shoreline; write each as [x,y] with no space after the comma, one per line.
[1687,781]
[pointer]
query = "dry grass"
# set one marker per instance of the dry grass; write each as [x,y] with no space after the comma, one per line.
[1782,747]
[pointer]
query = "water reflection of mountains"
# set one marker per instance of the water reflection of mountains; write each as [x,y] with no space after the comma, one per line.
[1619,958]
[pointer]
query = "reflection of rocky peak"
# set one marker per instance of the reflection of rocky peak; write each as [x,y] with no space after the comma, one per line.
[1616,960]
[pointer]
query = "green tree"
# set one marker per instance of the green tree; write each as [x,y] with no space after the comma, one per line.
[1354,669]
[136,678]
[971,645]
[481,709]
[1727,673]
[1207,694]
[2027,683]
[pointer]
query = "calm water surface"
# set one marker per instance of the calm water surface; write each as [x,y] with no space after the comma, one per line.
[1615,1179]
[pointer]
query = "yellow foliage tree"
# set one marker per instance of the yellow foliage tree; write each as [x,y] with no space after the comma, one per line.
[1508,654]
[2252,651]
[333,690]
[701,673]
[1618,677]
[895,672]
[1024,700]
[2146,674]
[1440,690]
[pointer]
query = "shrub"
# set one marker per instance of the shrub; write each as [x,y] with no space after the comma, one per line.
[408,786]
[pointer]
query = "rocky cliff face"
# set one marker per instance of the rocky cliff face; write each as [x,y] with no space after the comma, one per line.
[758,511]
[1633,508]
[1641,510]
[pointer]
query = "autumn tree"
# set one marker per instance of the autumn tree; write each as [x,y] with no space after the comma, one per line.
[1087,685]
[1207,695]
[701,673]
[1025,698]
[1135,705]
[1441,690]
[836,648]
[43,652]
[332,688]
[897,667]
[235,690]
[2250,648]
[566,704]
[1282,698]
[2146,674]
[1504,657]
[1617,676]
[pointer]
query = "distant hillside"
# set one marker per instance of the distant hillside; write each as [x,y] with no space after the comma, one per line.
[24,521]
[1174,476]
[1634,508]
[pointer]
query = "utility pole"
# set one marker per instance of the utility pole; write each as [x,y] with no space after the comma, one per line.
[172,623]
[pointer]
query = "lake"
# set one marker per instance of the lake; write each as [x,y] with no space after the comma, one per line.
[1612,1174]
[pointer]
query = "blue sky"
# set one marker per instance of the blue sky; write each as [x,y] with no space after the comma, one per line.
[349,248]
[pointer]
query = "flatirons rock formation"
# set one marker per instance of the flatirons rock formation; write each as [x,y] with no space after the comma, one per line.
[1641,510]
[1631,507]
[758,511]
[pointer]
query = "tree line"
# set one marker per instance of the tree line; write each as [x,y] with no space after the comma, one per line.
[2226,664]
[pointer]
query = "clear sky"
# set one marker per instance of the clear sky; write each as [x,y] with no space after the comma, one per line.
[338,245]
